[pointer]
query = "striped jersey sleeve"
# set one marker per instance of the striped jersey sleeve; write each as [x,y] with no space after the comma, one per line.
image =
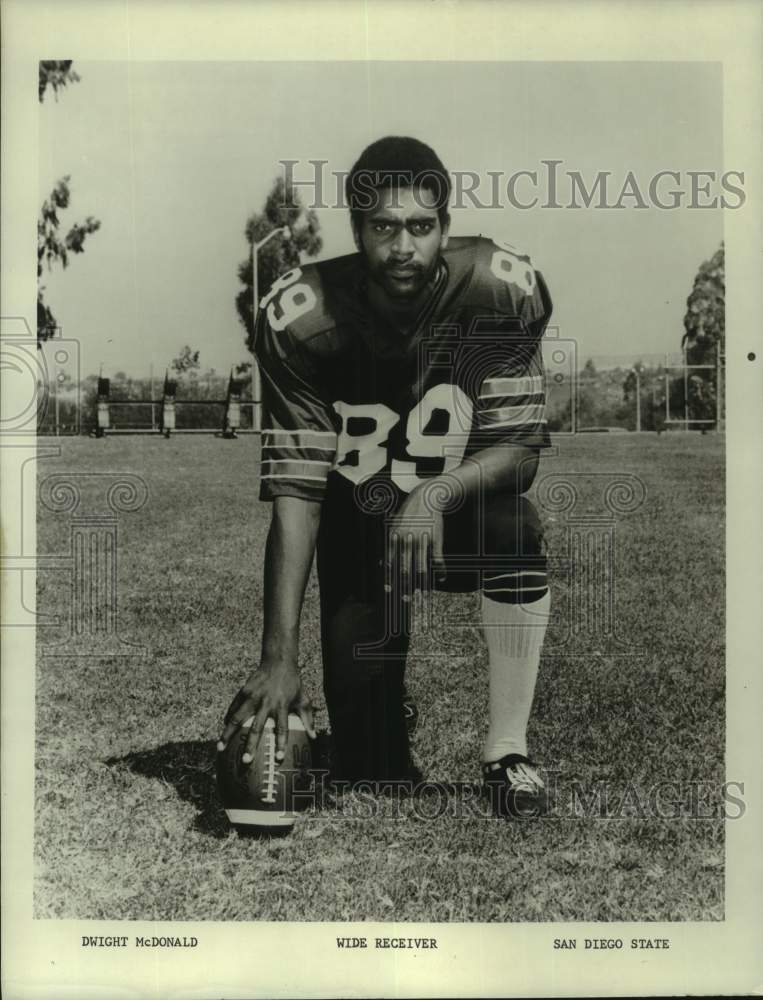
[298,433]
[511,405]
[511,399]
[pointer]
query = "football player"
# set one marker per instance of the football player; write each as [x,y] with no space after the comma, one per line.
[403,416]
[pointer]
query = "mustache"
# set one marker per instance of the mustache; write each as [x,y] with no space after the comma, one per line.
[403,266]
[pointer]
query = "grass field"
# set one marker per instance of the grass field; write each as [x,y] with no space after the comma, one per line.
[128,826]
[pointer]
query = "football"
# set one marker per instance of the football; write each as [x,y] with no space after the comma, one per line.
[262,796]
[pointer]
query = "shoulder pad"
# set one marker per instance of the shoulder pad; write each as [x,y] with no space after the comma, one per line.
[499,262]
[496,277]
[495,271]
[311,299]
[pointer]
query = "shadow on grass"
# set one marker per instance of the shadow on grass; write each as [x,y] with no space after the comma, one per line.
[190,769]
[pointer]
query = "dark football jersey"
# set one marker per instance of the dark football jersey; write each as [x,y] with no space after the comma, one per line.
[349,404]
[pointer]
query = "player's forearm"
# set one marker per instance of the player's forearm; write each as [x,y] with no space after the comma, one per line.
[498,469]
[288,558]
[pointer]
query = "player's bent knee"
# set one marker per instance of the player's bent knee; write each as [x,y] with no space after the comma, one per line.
[512,526]
[517,567]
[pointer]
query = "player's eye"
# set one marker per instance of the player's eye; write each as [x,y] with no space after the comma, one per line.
[423,228]
[381,227]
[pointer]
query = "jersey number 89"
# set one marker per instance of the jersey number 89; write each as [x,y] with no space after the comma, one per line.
[371,446]
[295,300]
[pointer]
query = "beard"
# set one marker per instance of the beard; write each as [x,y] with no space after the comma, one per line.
[403,282]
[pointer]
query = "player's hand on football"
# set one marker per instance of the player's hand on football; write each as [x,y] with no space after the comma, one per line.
[415,547]
[269,692]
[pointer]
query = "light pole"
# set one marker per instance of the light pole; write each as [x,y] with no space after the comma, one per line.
[55,389]
[718,387]
[635,372]
[256,247]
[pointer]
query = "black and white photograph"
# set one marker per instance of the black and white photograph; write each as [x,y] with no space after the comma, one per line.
[383,535]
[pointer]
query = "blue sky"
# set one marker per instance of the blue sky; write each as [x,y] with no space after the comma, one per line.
[172,157]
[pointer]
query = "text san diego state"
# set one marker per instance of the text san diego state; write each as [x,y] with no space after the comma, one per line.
[612,944]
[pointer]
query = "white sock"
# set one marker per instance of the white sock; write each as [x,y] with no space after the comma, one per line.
[514,636]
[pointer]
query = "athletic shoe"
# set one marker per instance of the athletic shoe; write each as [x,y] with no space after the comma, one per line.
[514,787]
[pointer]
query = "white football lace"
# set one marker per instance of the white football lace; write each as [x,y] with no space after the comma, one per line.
[524,779]
[269,777]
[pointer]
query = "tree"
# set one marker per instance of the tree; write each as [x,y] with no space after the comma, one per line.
[52,248]
[186,363]
[283,207]
[629,385]
[705,319]
[705,329]
[55,75]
